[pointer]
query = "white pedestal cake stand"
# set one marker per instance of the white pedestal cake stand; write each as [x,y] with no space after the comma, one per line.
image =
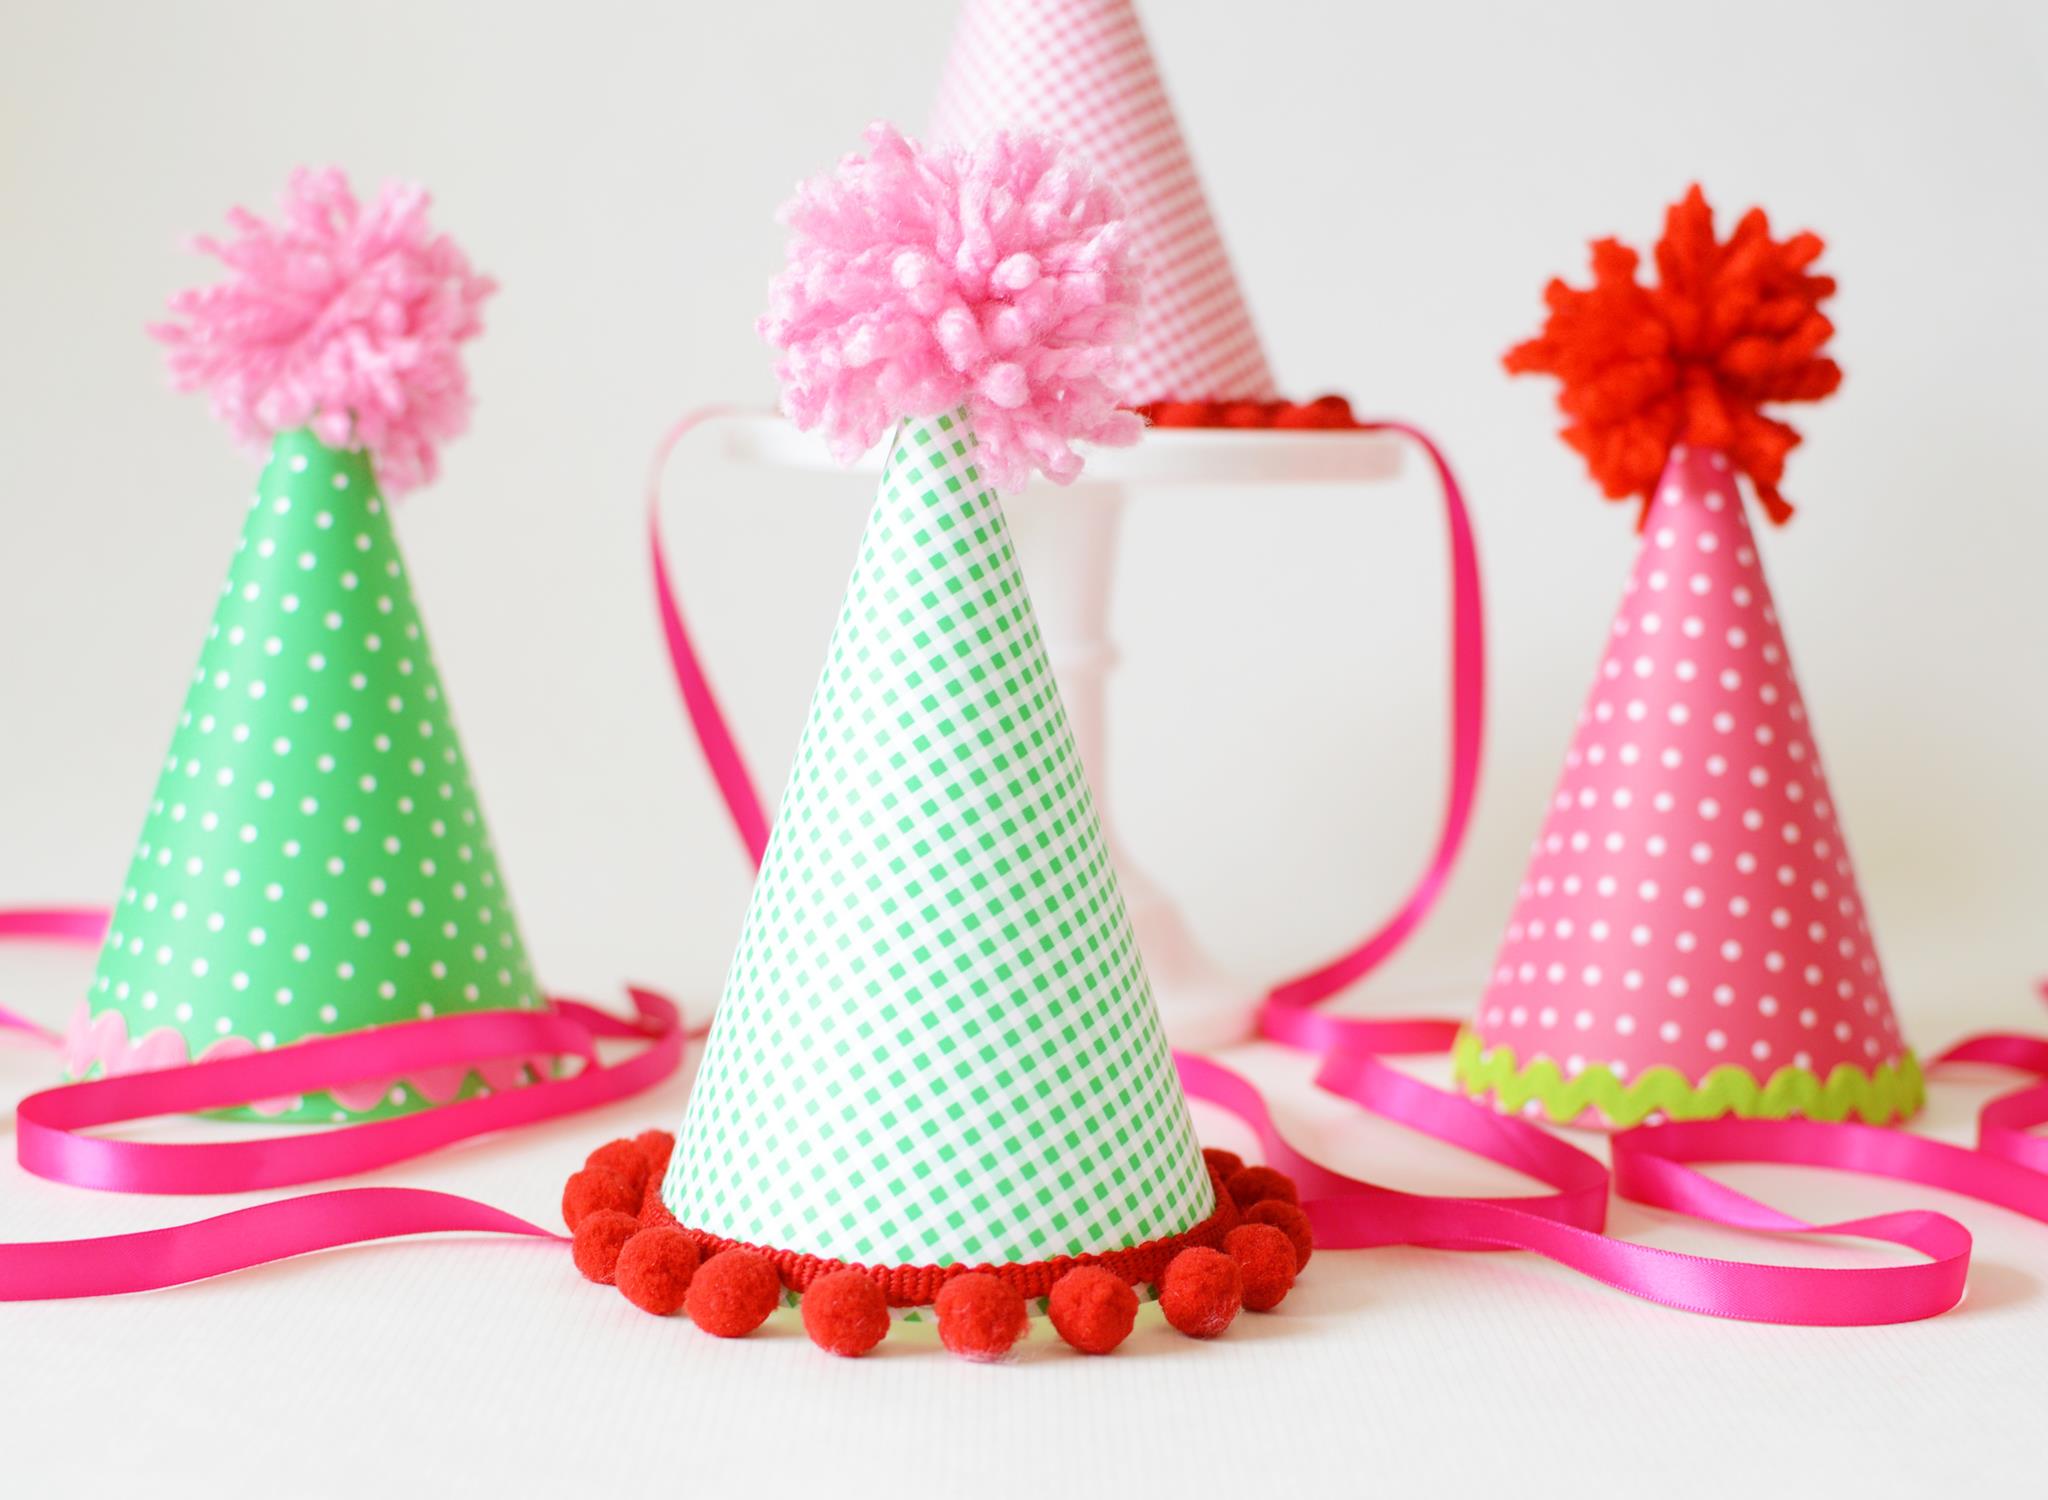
[1069,538]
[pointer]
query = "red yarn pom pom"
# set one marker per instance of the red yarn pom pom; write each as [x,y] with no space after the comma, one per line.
[1225,1164]
[657,1269]
[594,1189]
[733,1293]
[981,1317]
[1254,1185]
[1093,1309]
[656,1146]
[1265,1263]
[1290,1221]
[599,1239]
[1730,326]
[623,1157]
[1201,1292]
[846,1313]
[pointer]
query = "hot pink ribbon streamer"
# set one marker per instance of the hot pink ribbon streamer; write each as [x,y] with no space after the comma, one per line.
[51,1138]
[50,1126]
[84,925]
[246,1237]
[1566,1225]
[1289,1013]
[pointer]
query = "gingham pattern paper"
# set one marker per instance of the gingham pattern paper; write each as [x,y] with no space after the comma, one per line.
[937,1043]
[1083,70]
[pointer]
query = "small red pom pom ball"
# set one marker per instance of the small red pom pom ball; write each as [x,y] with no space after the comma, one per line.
[599,1239]
[1265,1262]
[981,1317]
[1254,1185]
[1201,1292]
[1093,1309]
[1225,1164]
[657,1270]
[623,1157]
[596,1188]
[1290,1221]
[846,1313]
[656,1146]
[732,1293]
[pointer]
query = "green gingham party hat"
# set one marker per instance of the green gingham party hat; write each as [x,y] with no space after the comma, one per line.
[314,859]
[937,1044]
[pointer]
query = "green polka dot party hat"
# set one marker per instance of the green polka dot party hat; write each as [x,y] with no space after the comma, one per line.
[314,858]
[937,1083]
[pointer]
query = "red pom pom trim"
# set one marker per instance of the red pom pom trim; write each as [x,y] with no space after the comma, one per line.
[598,1241]
[596,1189]
[1290,1221]
[1730,326]
[981,1317]
[1325,413]
[845,1313]
[1201,1292]
[623,1157]
[919,1286]
[1265,1263]
[732,1293]
[656,1270]
[1255,1185]
[1092,1309]
[1238,1257]
[1223,1164]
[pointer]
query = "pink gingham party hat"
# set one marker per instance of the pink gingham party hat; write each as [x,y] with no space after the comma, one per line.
[1083,70]
[1689,939]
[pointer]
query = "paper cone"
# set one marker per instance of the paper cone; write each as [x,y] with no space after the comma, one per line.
[937,1043]
[1083,70]
[314,859]
[1689,940]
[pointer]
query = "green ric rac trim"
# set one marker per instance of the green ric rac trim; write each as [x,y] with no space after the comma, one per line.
[1892,1091]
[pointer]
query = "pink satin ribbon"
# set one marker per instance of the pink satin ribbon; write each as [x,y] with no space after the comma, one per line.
[1289,1013]
[246,1237]
[82,925]
[52,1140]
[1653,1165]
[50,1126]
[1566,1225]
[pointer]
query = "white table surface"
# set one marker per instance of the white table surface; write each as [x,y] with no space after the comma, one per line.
[412,1367]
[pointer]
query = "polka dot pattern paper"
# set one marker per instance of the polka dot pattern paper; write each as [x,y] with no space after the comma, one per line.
[314,859]
[1690,903]
[937,1043]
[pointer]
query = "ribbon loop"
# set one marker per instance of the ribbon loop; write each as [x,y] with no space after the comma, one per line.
[49,1126]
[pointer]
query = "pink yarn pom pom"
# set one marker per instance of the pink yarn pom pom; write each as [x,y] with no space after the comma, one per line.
[1000,277]
[339,318]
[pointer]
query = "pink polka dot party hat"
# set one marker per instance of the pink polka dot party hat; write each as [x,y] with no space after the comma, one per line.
[314,859]
[1689,940]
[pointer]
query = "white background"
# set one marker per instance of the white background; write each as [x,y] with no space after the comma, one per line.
[1395,183]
